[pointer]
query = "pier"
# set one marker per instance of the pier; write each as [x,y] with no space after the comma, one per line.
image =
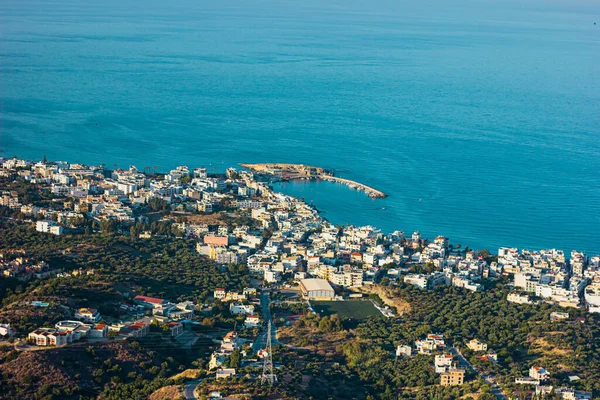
[288,172]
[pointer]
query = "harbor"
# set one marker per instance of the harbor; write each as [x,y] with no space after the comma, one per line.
[287,172]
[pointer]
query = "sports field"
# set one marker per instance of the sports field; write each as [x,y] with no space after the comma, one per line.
[355,309]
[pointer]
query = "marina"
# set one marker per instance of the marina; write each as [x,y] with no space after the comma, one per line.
[289,172]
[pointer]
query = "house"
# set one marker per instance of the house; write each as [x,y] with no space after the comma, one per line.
[230,337]
[356,257]
[38,337]
[442,363]
[453,377]
[558,316]
[6,330]
[430,344]
[567,393]
[225,373]
[527,381]
[182,310]
[88,315]
[49,227]
[252,321]
[518,298]
[230,342]
[476,345]
[149,302]
[492,357]
[138,329]
[176,328]
[539,373]
[238,308]
[163,309]
[234,296]
[59,338]
[216,360]
[219,293]
[403,350]
[416,280]
[99,331]
[49,337]
[271,276]
[543,391]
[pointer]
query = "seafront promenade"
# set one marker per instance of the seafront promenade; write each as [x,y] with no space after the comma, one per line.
[299,171]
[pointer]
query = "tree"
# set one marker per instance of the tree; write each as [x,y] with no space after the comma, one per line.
[235,359]
[108,225]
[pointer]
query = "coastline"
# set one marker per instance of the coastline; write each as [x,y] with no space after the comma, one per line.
[261,171]
[288,172]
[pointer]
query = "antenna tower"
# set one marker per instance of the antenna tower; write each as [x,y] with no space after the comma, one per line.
[267,375]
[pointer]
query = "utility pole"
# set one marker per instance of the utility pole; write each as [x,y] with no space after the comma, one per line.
[267,375]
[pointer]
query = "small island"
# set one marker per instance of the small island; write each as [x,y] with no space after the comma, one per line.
[289,172]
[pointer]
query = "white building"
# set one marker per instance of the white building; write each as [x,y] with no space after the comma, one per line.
[539,373]
[271,276]
[316,289]
[518,298]
[88,315]
[403,350]
[417,280]
[6,330]
[225,373]
[236,308]
[49,227]
[252,321]
[442,363]
[476,345]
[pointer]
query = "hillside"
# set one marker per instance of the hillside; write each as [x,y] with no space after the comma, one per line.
[84,369]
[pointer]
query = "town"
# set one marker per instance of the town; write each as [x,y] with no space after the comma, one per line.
[298,264]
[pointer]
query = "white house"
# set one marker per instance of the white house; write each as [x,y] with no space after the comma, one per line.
[99,331]
[442,363]
[225,373]
[271,276]
[237,308]
[539,373]
[49,227]
[403,350]
[88,315]
[518,298]
[476,345]
[6,330]
[252,321]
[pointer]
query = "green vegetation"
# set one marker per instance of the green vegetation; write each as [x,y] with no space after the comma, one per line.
[167,268]
[351,309]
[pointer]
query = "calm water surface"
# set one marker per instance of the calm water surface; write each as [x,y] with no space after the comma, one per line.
[480,119]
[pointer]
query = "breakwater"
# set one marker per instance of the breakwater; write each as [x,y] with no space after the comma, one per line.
[300,171]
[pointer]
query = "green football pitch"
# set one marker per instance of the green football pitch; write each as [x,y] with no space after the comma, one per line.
[355,309]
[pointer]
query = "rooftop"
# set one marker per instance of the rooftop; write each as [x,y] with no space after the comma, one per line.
[316,284]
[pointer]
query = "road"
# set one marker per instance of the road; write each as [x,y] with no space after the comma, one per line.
[261,340]
[189,388]
[489,379]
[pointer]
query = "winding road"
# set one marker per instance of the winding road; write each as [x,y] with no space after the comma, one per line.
[189,389]
[489,379]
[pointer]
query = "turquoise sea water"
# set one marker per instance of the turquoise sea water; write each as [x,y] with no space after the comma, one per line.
[480,119]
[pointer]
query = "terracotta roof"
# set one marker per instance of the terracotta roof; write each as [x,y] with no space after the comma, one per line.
[153,300]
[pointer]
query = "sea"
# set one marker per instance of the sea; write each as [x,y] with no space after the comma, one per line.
[479,118]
